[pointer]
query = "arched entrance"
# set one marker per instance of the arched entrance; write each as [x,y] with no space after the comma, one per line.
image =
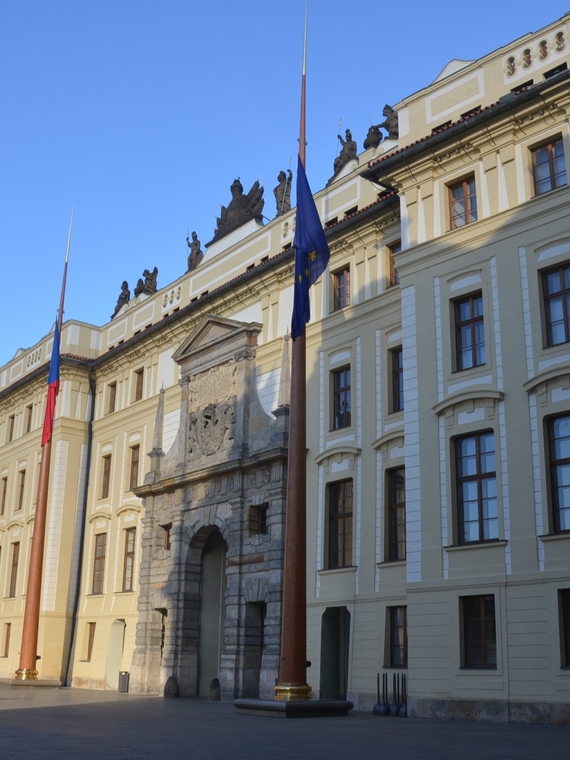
[212,611]
[115,654]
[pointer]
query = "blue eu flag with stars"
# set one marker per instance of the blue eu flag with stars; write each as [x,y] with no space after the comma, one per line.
[311,251]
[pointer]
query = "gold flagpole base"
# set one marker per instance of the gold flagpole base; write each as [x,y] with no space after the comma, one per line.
[25,674]
[290,691]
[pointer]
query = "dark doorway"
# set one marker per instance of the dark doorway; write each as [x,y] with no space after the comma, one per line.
[212,611]
[335,633]
[253,647]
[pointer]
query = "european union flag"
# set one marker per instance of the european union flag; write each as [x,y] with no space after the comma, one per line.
[311,251]
[53,388]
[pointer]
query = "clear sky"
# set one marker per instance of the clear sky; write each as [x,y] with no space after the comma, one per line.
[142,113]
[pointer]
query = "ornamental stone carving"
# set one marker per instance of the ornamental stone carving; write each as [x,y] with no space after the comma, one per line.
[212,428]
[213,386]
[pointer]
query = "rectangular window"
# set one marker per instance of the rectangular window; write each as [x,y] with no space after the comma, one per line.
[10,431]
[548,167]
[396,482]
[476,488]
[166,529]
[14,568]
[556,292]
[99,563]
[559,456]
[21,490]
[106,480]
[29,412]
[258,520]
[479,635]
[397,376]
[6,640]
[3,495]
[139,382]
[469,332]
[340,524]
[462,203]
[341,282]
[341,398]
[393,250]
[129,560]
[134,471]
[88,640]
[112,398]
[564,602]
[398,637]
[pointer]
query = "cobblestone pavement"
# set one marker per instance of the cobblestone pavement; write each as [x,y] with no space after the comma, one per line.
[74,723]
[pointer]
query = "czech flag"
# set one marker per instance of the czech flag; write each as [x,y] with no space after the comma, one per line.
[53,388]
[311,251]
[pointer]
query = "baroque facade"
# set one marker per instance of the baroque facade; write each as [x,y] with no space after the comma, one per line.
[438,429]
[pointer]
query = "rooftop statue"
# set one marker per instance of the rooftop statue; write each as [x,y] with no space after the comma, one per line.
[195,256]
[373,138]
[283,192]
[124,298]
[148,287]
[348,153]
[391,123]
[241,209]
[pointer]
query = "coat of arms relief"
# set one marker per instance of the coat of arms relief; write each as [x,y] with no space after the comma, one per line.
[212,404]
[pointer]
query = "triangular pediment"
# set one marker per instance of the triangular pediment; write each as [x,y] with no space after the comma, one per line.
[213,331]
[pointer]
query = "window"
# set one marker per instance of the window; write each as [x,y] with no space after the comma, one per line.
[106,477]
[476,488]
[556,292]
[3,494]
[564,603]
[548,166]
[340,524]
[88,640]
[469,332]
[139,381]
[397,386]
[341,398]
[129,561]
[14,568]
[341,282]
[479,636]
[112,398]
[258,520]
[21,490]
[29,411]
[396,514]
[99,563]
[166,530]
[6,640]
[559,455]
[134,472]
[398,637]
[393,250]
[462,203]
[10,432]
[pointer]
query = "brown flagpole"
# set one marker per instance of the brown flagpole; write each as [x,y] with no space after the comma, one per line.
[293,666]
[29,649]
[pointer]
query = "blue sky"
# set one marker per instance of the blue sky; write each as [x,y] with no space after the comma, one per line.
[142,112]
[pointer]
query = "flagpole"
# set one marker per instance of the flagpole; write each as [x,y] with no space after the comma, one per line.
[29,649]
[293,665]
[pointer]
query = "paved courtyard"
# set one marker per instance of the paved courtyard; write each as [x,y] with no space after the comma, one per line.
[73,723]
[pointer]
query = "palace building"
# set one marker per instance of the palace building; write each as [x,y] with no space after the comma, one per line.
[438,431]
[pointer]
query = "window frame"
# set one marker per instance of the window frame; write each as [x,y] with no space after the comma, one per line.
[341,288]
[340,512]
[258,519]
[3,495]
[396,515]
[553,176]
[489,650]
[476,350]
[397,380]
[469,214]
[552,464]
[564,612]
[106,476]
[21,490]
[398,636]
[341,397]
[112,397]
[139,385]
[29,414]
[99,556]
[563,271]
[14,562]
[130,547]
[134,466]
[10,428]
[480,478]
[393,249]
